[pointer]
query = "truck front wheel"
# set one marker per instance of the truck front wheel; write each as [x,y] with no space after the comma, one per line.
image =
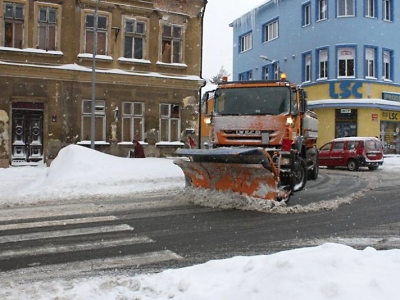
[299,176]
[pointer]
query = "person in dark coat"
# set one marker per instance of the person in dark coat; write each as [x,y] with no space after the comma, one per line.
[138,151]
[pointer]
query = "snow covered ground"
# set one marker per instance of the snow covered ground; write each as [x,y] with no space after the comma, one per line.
[329,271]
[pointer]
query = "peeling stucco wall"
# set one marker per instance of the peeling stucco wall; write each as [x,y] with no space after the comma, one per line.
[4,134]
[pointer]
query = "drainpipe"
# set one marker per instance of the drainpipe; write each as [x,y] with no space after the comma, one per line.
[201,71]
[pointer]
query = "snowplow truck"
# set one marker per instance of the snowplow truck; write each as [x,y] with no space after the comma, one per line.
[262,140]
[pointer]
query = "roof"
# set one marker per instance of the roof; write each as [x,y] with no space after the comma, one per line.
[346,103]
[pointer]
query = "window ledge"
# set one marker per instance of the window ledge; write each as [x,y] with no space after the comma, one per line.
[133,61]
[171,65]
[88,143]
[98,57]
[32,51]
[174,144]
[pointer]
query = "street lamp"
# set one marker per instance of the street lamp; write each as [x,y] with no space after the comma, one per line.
[275,63]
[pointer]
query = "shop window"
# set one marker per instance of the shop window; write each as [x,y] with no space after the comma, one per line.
[102,25]
[99,119]
[13,25]
[345,122]
[172,44]
[169,122]
[246,42]
[346,62]
[135,34]
[132,121]
[306,14]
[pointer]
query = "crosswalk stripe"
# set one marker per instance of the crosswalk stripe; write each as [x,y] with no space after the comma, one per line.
[47,211]
[56,223]
[72,248]
[87,266]
[63,233]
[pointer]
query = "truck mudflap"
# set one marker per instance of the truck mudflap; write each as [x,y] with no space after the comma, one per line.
[248,171]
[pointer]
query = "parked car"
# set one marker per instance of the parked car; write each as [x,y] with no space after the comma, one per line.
[352,152]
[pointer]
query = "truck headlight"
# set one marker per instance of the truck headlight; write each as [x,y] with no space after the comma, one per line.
[289,121]
[285,161]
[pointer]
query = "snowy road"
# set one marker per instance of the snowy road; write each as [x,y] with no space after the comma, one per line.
[162,231]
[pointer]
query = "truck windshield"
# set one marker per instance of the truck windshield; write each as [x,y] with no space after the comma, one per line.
[253,101]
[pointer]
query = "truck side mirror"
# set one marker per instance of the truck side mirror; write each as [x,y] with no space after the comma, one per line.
[204,102]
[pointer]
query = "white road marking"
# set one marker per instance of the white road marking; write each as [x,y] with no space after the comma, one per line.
[56,223]
[63,233]
[74,268]
[51,249]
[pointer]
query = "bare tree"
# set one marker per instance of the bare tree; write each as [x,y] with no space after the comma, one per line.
[218,78]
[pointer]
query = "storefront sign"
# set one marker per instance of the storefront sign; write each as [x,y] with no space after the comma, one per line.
[390,115]
[346,89]
[374,117]
[391,96]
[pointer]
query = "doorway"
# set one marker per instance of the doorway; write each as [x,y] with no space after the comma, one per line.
[27,133]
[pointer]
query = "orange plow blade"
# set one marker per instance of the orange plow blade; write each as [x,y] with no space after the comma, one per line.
[241,170]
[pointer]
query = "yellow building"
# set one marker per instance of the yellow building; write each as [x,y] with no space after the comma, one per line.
[357,108]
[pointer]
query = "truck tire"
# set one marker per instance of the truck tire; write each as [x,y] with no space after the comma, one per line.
[299,178]
[313,174]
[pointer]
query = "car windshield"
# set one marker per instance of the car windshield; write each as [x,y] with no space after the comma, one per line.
[253,101]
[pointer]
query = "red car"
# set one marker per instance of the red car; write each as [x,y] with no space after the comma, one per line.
[352,152]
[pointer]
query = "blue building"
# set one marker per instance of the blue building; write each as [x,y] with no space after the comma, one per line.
[343,52]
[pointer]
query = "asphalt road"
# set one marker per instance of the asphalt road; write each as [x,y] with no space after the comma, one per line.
[162,231]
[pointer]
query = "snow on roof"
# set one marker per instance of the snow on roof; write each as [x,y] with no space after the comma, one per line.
[364,102]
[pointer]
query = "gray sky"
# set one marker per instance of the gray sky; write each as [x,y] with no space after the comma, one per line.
[217,49]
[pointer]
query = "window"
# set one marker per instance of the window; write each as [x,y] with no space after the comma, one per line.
[169,122]
[132,121]
[102,25]
[172,44]
[265,72]
[387,10]
[346,59]
[245,76]
[370,60]
[307,67]
[370,8]
[322,10]
[271,31]
[47,28]
[13,25]
[323,64]
[135,33]
[100,120]
[306,17]
[345,8]
[387,64]
[246,42]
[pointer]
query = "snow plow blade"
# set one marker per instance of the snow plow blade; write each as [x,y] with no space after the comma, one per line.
[248,171]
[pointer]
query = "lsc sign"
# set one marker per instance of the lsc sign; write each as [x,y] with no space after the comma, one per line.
[345,89]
